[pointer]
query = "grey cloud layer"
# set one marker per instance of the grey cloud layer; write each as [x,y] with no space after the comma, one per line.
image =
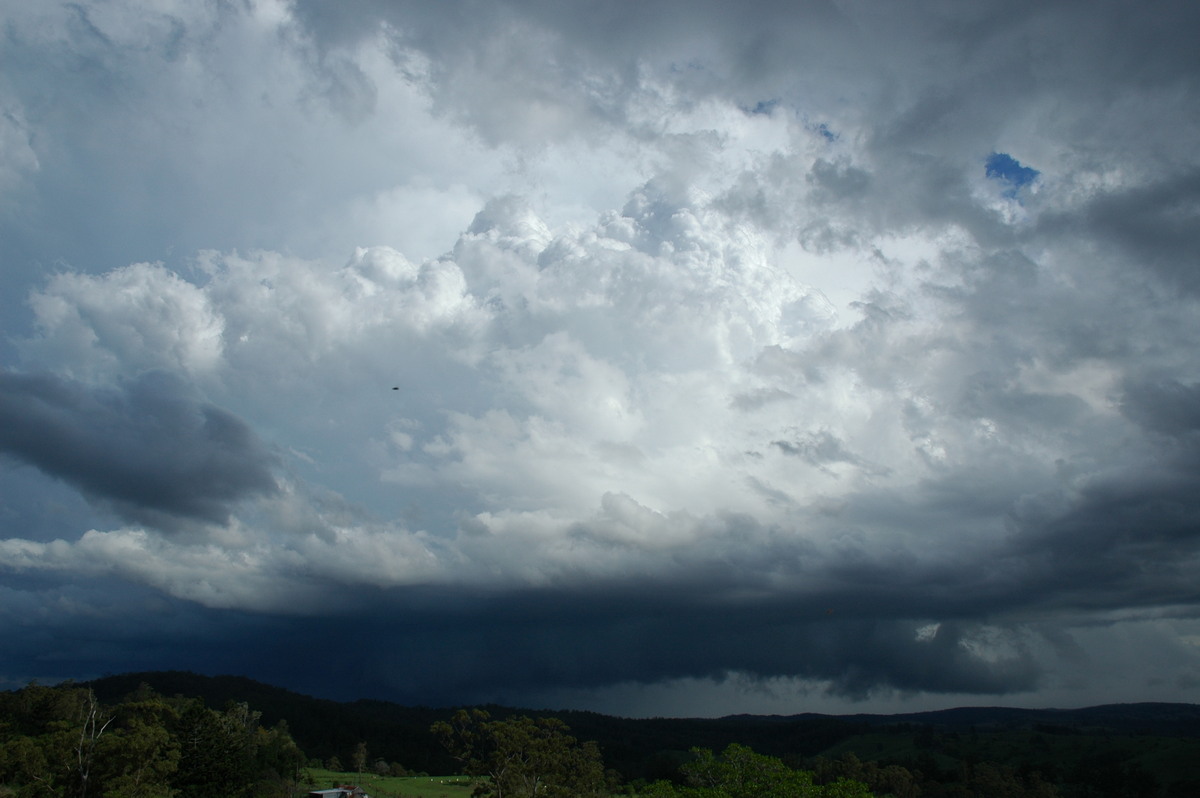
[618,346]
[145,447]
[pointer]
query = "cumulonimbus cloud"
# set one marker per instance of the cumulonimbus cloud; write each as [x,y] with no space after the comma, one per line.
[770,349]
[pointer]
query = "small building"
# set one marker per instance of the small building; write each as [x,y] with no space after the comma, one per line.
[341,791]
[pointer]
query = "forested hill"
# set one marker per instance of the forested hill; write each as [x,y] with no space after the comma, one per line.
[651,748]
[1174,720]
[322,728]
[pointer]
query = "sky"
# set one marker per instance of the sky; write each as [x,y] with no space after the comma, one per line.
[658,358]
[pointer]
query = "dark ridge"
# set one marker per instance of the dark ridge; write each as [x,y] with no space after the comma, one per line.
[650,747]
[1175,720]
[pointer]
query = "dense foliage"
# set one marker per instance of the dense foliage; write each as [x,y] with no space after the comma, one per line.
[739,772]
[1115,751]
[61,741]
[522,757]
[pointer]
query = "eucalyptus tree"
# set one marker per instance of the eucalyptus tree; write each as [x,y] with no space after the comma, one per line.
[522,757]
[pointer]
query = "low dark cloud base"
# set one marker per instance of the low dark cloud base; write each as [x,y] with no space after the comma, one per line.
[846,344]
[441,646]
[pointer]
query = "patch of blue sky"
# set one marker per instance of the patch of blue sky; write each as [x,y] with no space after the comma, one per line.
[1008,170]
[763,107]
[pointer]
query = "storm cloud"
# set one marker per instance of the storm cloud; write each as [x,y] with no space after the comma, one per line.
[142,446]
[668,359]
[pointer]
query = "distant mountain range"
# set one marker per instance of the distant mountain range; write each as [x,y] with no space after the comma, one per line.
[1143,718]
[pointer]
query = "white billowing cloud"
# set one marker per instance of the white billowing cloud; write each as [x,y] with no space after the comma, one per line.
[250,314]
[312,314]
[209,574]
[130,320]
[718,302]
[579,397]
[659,358]
[660,396]
[287,554]
[417,219]
[611,357]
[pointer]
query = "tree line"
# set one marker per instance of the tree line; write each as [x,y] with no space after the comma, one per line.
[523,757]
[62,742]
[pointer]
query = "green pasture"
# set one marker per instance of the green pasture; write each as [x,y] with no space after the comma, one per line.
[393,786]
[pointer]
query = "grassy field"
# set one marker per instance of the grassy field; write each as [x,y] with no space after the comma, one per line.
[394,786]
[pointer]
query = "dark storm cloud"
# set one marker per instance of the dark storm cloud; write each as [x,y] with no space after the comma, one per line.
[856,619]
[1164,405]
[520,643]
[1156,223]
[1125,538]
[859,620]
[145,447]
[97,625]
[845,344]
[934,68]
[434,647]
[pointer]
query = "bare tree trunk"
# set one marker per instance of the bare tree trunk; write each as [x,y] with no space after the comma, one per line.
[89,734]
